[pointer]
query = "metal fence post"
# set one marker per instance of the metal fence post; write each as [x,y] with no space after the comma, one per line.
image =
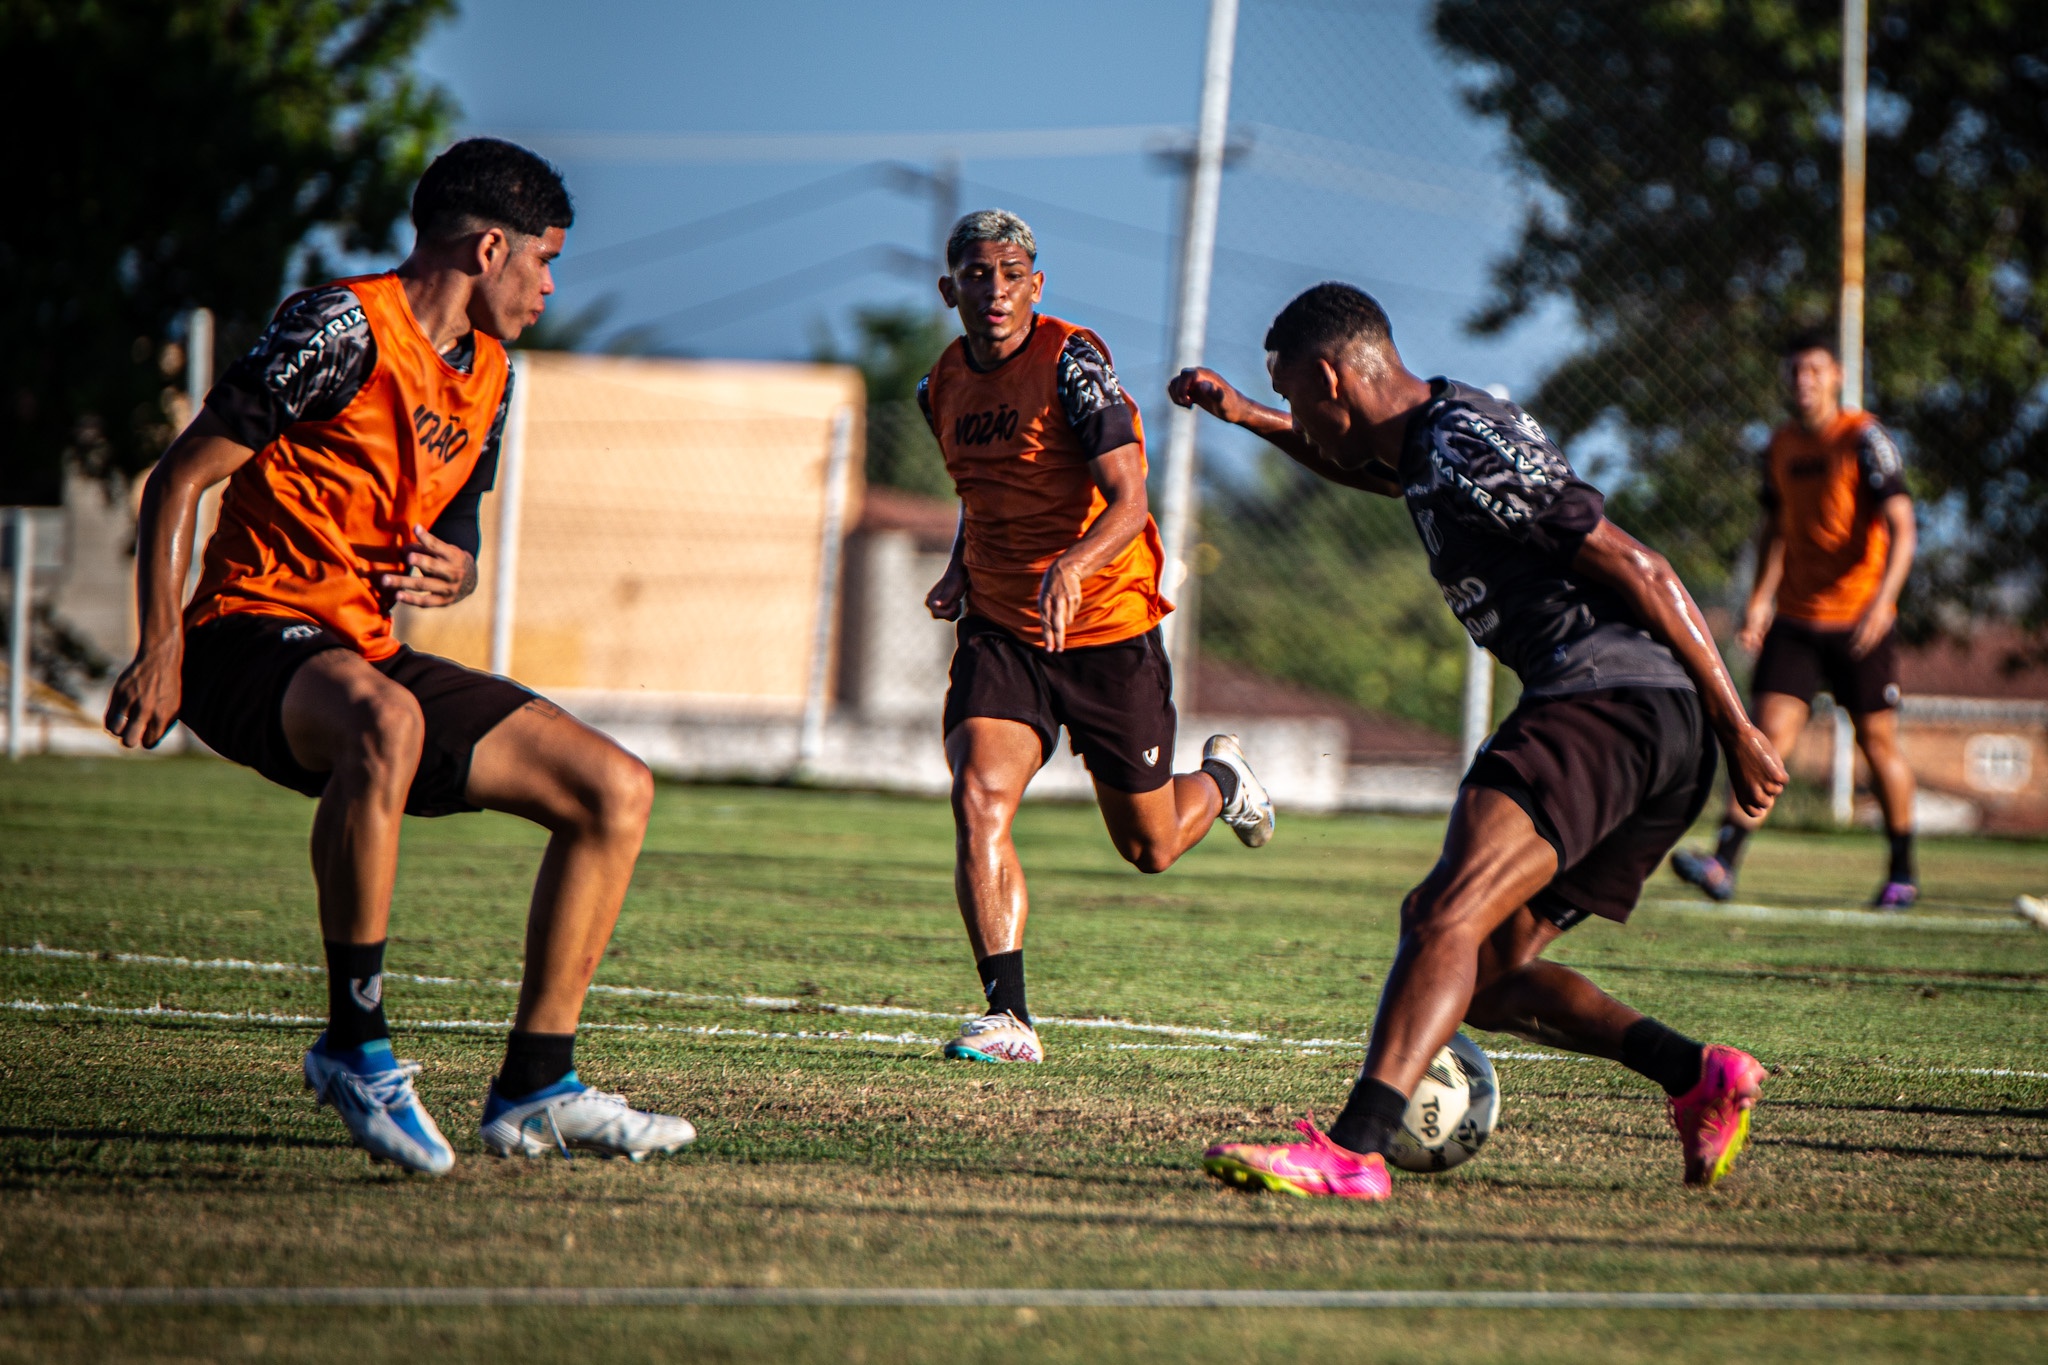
[18,654]
[811,739]
[1478,698]
[505,561]
[1843,777]
[1198,256]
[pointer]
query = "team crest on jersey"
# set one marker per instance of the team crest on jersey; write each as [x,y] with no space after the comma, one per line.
[437,435]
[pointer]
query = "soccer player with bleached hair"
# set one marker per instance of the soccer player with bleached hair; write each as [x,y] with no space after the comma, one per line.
[1054,580]
[1572,803]
[357,439]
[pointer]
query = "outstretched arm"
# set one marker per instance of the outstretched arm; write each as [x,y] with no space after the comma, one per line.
[147,695]
[1647,582]
[1211,392]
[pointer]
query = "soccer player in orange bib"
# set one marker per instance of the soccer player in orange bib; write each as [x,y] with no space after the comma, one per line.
[357,438]
[1836,546]
[1055,583]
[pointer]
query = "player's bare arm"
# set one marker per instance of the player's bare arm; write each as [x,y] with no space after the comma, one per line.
[1646,580]
[147,695]
[1204,388]
[1120,474]
[1883,612]
[1763,595]
[948,597]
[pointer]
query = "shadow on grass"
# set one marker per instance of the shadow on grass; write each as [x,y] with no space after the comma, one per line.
[168,1139]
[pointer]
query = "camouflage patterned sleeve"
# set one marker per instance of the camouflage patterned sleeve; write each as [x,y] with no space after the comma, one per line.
[1092,399]
[1881,467]
[1513,483]
[306,367]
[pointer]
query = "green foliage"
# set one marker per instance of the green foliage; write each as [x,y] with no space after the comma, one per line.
[893,349]
[1328,587]
[173,153]
[1688,153]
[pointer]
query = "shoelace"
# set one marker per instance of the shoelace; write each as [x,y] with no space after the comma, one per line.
[581,1096]
[389,1089]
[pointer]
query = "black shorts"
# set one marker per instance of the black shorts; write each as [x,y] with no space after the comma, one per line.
[1115,700]
[238,667]
[1612,779]
[1800,660]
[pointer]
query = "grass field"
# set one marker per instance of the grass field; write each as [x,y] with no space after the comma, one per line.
[1903,1145]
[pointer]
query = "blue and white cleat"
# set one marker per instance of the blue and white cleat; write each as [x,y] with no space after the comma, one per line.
[372,1091]
[569,1114]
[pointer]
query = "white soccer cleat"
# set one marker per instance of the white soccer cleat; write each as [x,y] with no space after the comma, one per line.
[1250,813]
[996,1038]
[2033,909]
[372,1091]
[569,1114]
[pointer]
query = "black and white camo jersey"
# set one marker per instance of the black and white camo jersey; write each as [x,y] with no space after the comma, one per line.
[1502,516]
[308,366]
[1089,393]
[1880,469]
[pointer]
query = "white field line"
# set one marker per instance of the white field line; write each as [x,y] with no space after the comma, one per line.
[778,1004]
[454,1025]
[1864,919]
[210,1296]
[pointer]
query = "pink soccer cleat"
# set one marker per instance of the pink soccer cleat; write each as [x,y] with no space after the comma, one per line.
[1316,1167]
[1712,1118]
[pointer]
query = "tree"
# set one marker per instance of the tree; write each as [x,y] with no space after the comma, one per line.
[172,153]
[893,349]
[1687,155]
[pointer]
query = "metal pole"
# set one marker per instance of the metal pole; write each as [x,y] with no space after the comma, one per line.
[198,382]
[18,631]
[811,739]
[1198,256]
[1844,774]
[1478,697]
[1855,71]
[945,206]
[505,559]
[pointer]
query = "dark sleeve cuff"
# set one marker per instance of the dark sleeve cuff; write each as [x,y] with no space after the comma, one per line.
[252,419]
[460,529]
[1106,429]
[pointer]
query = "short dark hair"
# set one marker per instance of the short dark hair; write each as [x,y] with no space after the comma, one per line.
[1326,318]
[483,181]
[1811,339]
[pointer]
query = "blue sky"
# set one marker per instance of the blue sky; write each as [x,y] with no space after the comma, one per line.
[1360,162]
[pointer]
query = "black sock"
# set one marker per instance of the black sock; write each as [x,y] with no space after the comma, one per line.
[1902,859]
[1225,778]
[1665,1055]
[355,995]
[1002,983]
[1728,849]
[534,1061]
[1370,1119]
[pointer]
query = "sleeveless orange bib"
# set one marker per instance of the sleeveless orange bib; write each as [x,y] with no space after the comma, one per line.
[1024,483]
[308,525]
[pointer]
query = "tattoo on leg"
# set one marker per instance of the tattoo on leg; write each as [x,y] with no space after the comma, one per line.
[544,708]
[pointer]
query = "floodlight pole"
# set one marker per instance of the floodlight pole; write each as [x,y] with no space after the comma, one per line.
[1197,260]
[1855,89]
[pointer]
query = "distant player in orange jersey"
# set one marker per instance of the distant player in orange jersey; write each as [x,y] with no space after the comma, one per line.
[1055,581]
[1836,546]
[357,439]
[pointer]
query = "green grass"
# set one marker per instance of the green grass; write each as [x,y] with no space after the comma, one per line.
[182,1151]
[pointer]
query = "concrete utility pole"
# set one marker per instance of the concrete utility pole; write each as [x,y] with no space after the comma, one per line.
[198,382]
[1855,73]
[1191,312]
[18,655]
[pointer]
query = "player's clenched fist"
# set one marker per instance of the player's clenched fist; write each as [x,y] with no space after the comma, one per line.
[1755,772]
[949,595]
[1199,387]
[146,699]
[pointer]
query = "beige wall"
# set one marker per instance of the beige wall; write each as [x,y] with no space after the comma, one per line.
[669,531]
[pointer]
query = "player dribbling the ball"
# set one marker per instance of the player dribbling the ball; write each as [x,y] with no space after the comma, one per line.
[1575,799]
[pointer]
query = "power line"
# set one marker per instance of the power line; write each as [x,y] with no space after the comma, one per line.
[797,284]
[721,226]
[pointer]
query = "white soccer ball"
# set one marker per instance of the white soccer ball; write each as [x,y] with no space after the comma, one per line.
[1451,1112]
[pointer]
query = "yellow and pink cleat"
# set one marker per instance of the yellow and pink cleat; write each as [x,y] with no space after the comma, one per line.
[1317,1167]
[1712,1118]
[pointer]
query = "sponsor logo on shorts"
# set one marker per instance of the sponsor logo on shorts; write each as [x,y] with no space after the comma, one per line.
[299,632]
[1151,755]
